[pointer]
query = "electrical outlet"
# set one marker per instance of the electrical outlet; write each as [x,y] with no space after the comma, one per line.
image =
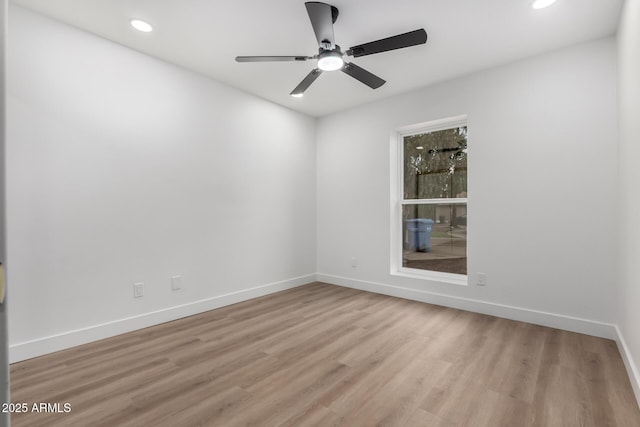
[176,283]
[354,262]
[138,290]
[482,279]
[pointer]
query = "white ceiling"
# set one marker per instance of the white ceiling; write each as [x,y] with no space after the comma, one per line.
[464,36]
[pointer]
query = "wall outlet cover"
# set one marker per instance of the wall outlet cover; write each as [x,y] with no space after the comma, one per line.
[176,283]
[138,290]
[482,279]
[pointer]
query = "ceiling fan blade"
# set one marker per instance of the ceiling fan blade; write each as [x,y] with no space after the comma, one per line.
[321,17]
[400,41]
[362,75]
[271,58]
[304,84]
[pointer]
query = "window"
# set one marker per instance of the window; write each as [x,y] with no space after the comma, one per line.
[430,205]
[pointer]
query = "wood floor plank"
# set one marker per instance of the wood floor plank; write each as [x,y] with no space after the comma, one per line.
[272,404]
[467,402]
[396,403]
[421,418]
[376,380]
[210,408]
[323,355]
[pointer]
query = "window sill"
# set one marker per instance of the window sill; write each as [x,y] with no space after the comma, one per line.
[435,276]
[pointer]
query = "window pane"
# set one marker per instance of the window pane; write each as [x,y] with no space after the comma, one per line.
[435,237]
[435,164]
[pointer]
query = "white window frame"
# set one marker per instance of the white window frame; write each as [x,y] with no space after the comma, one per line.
[398,201]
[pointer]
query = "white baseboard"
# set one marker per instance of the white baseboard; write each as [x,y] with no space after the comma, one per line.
[632,369]
[50,344]
[558,321]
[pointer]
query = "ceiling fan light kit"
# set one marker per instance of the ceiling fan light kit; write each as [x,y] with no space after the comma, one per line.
[331,58]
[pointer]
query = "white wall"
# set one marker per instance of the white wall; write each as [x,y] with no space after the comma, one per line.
[542,189]
[123,169]
[629,192]
[4,359]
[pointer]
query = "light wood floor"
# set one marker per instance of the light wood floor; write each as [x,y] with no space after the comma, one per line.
[329,356]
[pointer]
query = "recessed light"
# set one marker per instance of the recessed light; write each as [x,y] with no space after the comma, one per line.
[140,25]
[297,95]
[541,4]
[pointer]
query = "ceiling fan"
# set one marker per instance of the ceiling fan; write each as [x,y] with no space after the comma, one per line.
[330,56]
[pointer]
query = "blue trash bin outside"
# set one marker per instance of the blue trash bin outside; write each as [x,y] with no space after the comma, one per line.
[419,231]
